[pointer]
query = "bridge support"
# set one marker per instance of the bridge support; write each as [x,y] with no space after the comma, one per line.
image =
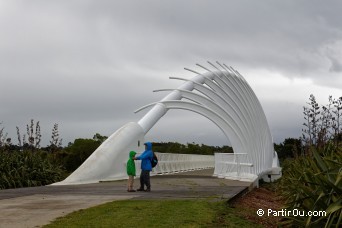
[225,98]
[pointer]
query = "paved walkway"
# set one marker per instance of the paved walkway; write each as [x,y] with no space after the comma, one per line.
[36,206]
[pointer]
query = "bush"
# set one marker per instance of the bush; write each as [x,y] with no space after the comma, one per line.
[76,153]
[189,148]
[314,184]
[28,169]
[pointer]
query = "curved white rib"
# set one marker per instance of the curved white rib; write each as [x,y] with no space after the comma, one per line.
[215,107]
[224,97]
[220,121]
[229,96]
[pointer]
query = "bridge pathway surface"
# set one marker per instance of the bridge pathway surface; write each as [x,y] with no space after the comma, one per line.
[37,206]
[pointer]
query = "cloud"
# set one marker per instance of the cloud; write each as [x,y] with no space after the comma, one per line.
[88,65]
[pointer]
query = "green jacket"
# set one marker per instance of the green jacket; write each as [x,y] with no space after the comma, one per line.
[131,164]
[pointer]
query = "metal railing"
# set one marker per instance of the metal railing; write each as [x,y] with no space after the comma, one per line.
[173,163]
[235,166]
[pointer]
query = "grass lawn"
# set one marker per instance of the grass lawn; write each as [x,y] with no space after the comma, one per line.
[155,213]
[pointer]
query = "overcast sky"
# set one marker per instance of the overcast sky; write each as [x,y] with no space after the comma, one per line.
[88,65]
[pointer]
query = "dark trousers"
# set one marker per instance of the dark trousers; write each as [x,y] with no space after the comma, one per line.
[145,179]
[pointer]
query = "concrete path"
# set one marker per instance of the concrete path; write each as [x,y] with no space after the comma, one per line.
[37,206]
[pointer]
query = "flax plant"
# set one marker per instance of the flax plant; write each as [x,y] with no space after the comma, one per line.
[27,169]
[313,184]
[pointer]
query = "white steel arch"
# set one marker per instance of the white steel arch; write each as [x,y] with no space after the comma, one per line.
[220,121]
[228,89]
[225,98]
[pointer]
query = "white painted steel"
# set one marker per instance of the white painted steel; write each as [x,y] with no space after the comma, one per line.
[106,161]
[169,163]
[228,101]
[220,121]
[225,98]
[236,166]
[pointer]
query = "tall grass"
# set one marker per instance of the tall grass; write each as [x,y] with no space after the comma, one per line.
[27,169]
[314,184]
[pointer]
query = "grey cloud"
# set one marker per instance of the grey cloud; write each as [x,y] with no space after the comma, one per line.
[89,64]
[336,65]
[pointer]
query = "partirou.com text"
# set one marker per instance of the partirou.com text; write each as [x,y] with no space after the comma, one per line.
[288,213]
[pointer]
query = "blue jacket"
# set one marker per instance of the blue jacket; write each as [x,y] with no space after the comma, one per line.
[146,157]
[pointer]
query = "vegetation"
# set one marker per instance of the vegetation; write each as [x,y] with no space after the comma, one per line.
[28,169]
[189,148]
[155,213]
[55,142]
[28,164]
[323,124]
[314,184]
[76,153]
[290,148]
[311,179]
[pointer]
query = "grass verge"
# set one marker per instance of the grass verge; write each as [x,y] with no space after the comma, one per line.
[155,213]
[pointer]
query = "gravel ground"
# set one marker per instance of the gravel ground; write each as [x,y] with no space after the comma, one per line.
[264,199]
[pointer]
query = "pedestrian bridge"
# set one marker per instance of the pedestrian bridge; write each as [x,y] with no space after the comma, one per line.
[223,96]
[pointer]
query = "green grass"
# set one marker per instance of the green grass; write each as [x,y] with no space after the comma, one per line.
[155,213]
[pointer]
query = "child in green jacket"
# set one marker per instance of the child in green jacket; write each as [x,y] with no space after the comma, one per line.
[131,171]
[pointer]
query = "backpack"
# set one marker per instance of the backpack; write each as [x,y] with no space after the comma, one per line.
[154,161]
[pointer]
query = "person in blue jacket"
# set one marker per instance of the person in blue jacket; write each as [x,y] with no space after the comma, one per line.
[146,167]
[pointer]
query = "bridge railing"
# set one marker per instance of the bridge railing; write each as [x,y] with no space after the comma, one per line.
[235,166]
[173,163]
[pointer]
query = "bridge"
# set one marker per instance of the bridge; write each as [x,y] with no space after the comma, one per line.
[223,96]
[37,206]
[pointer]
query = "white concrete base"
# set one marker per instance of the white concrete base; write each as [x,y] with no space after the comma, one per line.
[275,174]
[109,159]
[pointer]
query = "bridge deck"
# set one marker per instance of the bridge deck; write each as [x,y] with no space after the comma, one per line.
[36,206]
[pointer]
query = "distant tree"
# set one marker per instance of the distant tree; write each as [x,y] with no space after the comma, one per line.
[3,137]
[306,132]
[78,152]
[99,138]
[5,142]
[29,130]
[311,116]
[189,148]
[224,149]
[337,119]
[325,124]
[55,142]
[19,138]
[24,141]
[192,148]
[38,136]
[290,148]
[321,125]
[33,136]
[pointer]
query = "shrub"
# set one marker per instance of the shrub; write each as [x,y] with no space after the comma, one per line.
[76,153]
[28,169]
[314,184]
